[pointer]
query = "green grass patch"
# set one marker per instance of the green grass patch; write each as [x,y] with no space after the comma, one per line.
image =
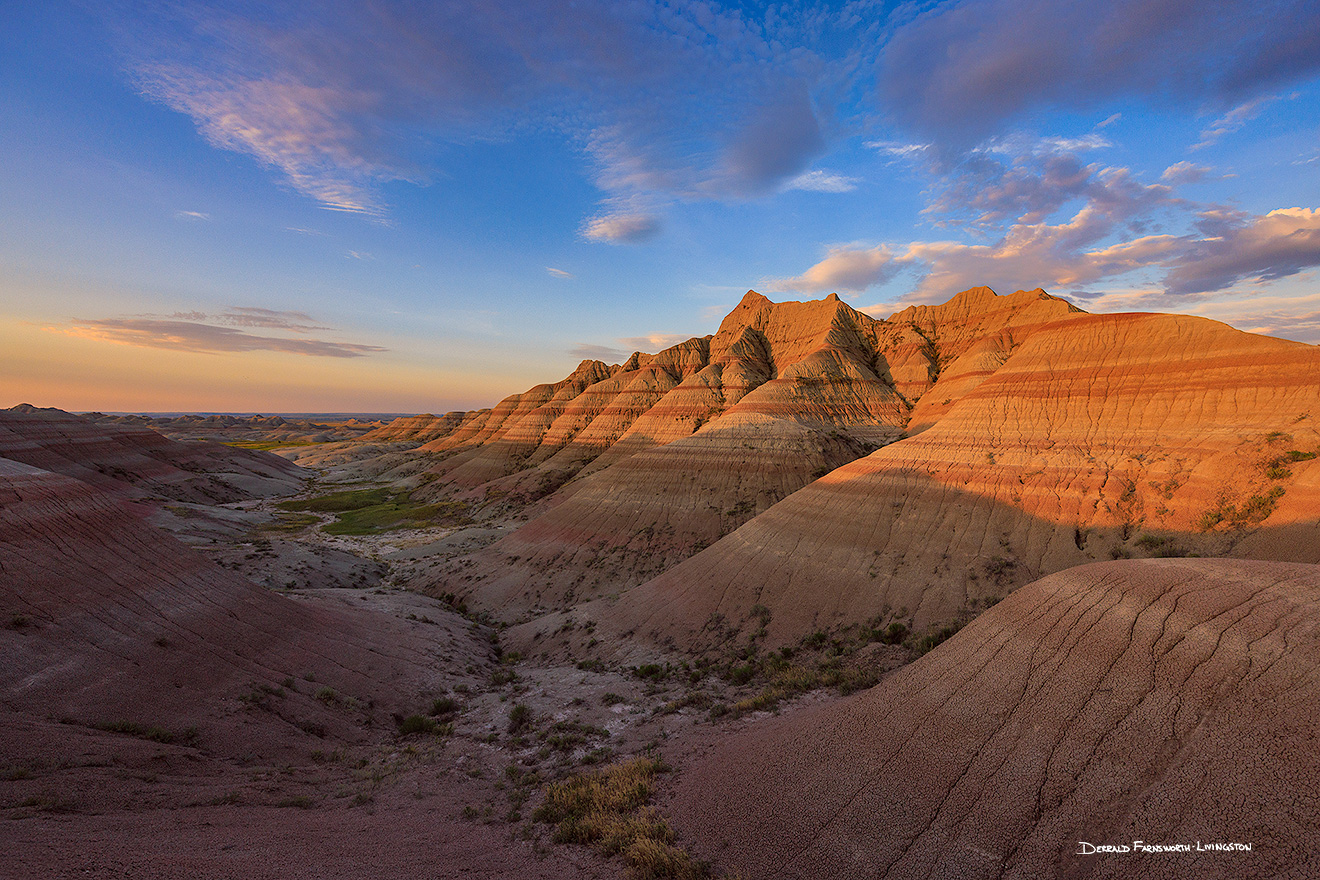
[267,445]
[367,511]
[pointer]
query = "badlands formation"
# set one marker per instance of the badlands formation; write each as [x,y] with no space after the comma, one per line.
[1017,436]
[981,519]
[1171,701]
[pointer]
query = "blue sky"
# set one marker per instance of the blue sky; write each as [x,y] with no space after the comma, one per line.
[406,206]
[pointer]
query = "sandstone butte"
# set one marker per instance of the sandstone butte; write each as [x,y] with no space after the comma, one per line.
[673,451]
[1169,701]
[1099,437]
[1017,436]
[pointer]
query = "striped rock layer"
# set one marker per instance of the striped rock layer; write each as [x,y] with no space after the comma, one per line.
[1098,437]
[1169,701]
[668,453]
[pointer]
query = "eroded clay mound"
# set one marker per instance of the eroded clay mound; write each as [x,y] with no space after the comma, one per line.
[674,450]
[418,429]
[108,620]
[163,717]
[1168,701]
[1101,436]
[133,461]
[648,512]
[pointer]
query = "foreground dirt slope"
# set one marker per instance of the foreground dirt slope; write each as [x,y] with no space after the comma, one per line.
[1168,701]
[162,717]
[133,461]
[1100,436]
[108,617]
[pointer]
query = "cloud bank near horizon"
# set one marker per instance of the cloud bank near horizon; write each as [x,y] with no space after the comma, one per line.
[218,334]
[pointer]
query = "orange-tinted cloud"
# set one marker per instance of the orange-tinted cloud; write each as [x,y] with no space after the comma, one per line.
[209,338]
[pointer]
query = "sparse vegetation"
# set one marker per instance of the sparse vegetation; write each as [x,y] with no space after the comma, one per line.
[151,732]
[1252,511]
[519,718]
[607,810]
[444,706]
[368,511]
[416,724]
[267,445]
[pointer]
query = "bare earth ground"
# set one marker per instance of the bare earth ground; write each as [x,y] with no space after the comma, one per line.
[250,796]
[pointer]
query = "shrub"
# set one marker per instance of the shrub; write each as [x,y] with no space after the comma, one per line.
[653,671]
[816,639]
[742,674]
[444,706]
[607,809]
[416,724]
[519,718]
[894,634]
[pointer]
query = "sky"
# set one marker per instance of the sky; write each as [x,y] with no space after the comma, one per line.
[406,206]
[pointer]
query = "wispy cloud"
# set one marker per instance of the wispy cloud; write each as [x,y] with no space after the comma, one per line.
[558,273]
[1237,247]
[606,353]
[1291,317]
[1028,188]
[618,353]
[823,181]
[899,149]
[847,267]
[254,316]
[206,338]
[621,228]
[1233,120]
[653,342]
[299,129]
[191,215]
[226,331]
[1184,172]
[1110,228]
[674,99]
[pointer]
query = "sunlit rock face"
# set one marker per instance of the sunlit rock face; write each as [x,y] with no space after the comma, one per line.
[1099,436]
[673,451]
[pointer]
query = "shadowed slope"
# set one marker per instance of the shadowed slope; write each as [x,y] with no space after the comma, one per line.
[136,462]
[157,712]
[649,512]
[118,618]
[1101,435]
[1169,701]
